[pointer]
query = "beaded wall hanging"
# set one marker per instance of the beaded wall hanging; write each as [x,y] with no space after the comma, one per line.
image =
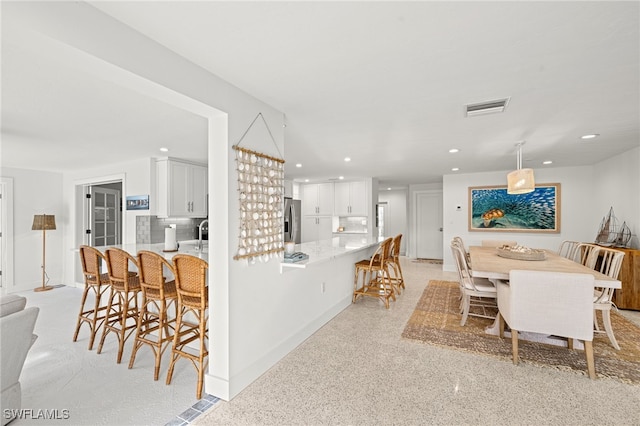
[260,192]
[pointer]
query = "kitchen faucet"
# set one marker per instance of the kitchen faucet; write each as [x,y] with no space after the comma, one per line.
[199,246]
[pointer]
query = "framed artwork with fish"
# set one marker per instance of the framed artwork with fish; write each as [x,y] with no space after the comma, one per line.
[492,209]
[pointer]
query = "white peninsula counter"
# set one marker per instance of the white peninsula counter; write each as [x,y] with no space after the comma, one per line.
[326,250]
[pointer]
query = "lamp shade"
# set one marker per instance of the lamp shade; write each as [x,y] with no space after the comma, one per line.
[520,181]
[43,222]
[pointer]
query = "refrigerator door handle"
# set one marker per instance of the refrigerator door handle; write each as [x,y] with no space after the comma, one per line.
[294,221]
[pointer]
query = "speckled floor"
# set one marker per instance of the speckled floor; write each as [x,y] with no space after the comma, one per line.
[358,370]
[79,387]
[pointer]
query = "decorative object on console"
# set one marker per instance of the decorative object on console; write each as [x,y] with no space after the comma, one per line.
[43,222]
[260,191]
[520,181]
[611,234]
[493,209]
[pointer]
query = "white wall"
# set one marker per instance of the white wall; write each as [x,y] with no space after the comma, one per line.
[586,195]
[35,192]
[136,176]
[617,185]
[396,214]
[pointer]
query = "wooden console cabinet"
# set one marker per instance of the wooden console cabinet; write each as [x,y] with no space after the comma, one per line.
[628,297]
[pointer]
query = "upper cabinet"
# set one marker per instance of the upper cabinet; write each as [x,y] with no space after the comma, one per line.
[181,188]
[351,199]
[317,199]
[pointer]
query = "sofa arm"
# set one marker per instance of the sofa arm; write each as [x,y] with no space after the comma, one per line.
[16,338]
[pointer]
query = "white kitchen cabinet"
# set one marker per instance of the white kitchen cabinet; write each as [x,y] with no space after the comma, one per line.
[315,228]
[317,199]
[181,188]
[351,199]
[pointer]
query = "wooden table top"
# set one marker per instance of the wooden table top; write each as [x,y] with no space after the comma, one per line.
[486,263]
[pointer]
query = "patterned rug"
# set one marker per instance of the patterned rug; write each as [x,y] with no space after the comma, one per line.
[436,321]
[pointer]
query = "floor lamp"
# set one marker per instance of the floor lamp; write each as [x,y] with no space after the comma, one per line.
[43,222]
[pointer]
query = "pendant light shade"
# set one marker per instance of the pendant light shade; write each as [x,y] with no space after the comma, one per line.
[520,181]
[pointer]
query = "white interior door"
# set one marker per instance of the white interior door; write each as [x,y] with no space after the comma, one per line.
[428,217]
[105,216]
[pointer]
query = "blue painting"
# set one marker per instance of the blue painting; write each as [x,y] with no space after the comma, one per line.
[492,209]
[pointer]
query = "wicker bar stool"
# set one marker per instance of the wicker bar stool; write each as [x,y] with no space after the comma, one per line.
[97,283]
[123,298]
[376,280]
[192,320]
[396,277]
[155,328]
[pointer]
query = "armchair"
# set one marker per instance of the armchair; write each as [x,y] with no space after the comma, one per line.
[16,334]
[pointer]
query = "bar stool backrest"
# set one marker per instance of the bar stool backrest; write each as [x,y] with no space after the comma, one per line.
[118,262]
[91,259]
[151,269]
[191,280]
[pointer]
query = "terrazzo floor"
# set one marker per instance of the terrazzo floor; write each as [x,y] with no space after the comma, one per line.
[79,387]
[357,370]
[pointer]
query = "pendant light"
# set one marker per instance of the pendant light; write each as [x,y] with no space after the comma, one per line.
[520,181]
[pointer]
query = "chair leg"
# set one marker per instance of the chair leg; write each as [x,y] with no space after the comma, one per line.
[606,319]
[501,325]
[99,291]
[137,343]
[84,299]
[591,366]
[105,328]
[514,345]
[123,325]
[466,307]
[176,335]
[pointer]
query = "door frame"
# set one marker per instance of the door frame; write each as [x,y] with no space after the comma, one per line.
[6,227]
[413,241]
[82,213]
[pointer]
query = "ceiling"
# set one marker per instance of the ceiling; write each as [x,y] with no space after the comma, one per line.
[384,83]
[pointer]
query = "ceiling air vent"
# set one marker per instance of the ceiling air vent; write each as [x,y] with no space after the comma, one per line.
[488,107]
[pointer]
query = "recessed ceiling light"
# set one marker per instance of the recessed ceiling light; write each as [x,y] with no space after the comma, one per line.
[164,149]
[306,180]
[388,189]
[347,159]
[455,169]
[454,150]
[591,136]
[340,177]
[547,162]
[298,165]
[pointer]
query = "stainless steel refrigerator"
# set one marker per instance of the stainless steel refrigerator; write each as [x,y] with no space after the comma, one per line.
[292,220]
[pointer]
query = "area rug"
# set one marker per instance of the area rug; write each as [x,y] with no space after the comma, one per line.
[436,321]
[432,261]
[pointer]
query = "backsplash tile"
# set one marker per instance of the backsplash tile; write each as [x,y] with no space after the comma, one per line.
[150,229]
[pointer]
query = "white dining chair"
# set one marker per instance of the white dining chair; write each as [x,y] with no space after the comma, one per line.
[553,303]
[476,292]
[608,262]
[568,249]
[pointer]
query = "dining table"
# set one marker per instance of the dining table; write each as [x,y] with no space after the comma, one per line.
[486,263]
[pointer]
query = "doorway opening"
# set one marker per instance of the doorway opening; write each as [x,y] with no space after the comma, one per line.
[380,217]
[104,214]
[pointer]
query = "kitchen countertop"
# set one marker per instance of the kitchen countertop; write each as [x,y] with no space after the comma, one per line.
[186,247]
[325,250]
